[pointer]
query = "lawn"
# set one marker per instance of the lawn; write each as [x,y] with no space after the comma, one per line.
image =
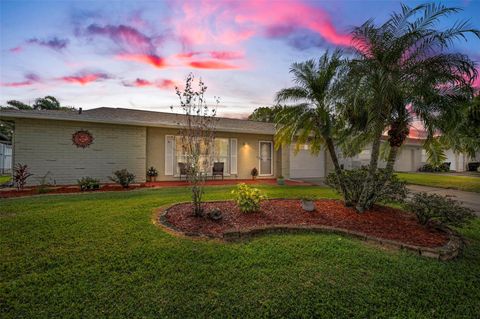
[4,179]
[99,255]
[465,183]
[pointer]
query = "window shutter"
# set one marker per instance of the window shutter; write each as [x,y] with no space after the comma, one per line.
[233,156]
[169,154]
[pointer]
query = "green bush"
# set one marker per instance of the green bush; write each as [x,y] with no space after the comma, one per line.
[386,189]
[152,172]
[123,177]
[433,207]
[248,198]
[88,184]
[429,168]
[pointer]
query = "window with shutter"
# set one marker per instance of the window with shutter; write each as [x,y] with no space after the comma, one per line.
[233,156]
[169,154]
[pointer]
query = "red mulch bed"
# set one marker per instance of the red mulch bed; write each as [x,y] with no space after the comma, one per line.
[68,189]
[383,222]
[61,190]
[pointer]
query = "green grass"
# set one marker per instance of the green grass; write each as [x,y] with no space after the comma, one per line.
[465,183]
[99,255]
[4,179]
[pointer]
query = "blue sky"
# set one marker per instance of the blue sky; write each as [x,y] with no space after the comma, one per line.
[133,53]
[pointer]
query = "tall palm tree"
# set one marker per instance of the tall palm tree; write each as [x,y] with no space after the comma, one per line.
[404,69]
[314,116]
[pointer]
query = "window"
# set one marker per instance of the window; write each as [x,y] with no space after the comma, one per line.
[220,152]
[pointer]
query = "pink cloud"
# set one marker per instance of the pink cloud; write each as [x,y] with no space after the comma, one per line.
[212,65]
[151,59]
[30,79]
[16,49]
[232,22]
[219,55]
[161,83]
[123,35]
[84,78]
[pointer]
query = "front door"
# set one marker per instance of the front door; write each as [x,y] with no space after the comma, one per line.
[265,158]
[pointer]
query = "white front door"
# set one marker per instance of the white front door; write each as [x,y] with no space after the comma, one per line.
[265,158]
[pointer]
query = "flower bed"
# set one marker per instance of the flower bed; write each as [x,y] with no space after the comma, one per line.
[60,190]
[383,223]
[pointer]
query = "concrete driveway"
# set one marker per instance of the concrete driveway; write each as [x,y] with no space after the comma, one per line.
[468,199]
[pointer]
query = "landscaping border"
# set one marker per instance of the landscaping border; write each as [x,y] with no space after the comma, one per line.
[448,251]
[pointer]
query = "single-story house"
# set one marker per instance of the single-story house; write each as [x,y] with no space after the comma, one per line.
[47,141]
[70,145]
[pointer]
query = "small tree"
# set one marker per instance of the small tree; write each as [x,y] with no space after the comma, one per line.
[197,131]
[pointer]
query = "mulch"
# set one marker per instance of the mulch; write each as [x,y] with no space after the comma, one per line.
[60,190]
[69,189]
[380,221]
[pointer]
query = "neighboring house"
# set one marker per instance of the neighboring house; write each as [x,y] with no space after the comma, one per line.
[136,140]
[5,155]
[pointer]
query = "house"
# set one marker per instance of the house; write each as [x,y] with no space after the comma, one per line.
[51,141]
[96,142]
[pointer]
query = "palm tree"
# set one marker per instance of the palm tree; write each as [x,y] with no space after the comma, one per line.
[314,116]
[404,70]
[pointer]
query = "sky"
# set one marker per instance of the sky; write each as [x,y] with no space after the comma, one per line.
[133,53]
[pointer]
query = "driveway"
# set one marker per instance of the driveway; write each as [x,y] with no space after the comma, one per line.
[468,199]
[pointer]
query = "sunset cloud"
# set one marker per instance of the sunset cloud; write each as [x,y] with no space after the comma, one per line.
[85,78]
[212,65]
[161,83]
[151,59]
[29,80]
[125,36]
[53,43]
[230,23]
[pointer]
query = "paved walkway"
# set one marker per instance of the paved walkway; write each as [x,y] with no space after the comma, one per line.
[469,199]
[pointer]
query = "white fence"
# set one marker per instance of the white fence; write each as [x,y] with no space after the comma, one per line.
[5,158]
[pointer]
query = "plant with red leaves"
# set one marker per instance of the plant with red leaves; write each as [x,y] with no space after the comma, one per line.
[20,176]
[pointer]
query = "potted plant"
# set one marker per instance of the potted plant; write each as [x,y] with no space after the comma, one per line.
[308,204]
[152,174]
[254,173]
[280,180]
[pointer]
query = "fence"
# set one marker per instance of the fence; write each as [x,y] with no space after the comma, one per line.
[5,159]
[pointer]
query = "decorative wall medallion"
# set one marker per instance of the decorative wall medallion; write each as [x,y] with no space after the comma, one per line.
[82,138]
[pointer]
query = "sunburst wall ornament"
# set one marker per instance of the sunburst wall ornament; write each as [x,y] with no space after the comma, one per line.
[82,138]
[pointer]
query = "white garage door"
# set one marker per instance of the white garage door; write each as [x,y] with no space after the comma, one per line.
[405,160]
[305,165]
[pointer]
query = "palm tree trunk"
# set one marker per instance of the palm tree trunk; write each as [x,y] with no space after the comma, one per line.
[392,156]
[368,185]
[338,170]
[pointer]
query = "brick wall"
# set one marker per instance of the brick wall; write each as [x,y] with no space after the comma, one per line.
[46,146]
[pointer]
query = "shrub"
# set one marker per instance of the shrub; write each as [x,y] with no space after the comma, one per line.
[386,189]
[123,177]
[152,172]
[20,175]
[433,207]
[254,172]
[88,184]
[247,198]
[44,182]
[445,167]
[473,166]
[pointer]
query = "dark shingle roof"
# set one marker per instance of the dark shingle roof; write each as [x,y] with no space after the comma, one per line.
[137,118]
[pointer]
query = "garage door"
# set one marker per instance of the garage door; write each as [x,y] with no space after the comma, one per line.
[305,165]
[405,160]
